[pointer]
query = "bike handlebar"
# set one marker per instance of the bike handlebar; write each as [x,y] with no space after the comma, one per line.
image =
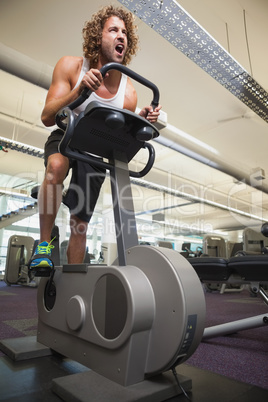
[104,69]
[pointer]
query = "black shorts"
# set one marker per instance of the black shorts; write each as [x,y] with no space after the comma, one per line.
[52,144]
[86,181]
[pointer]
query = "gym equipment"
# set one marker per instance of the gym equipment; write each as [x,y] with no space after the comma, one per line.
[19,252]
[214,246]
[233,247]
[188,253]
[248,270]
[144,314]
[254,241]
[19,255]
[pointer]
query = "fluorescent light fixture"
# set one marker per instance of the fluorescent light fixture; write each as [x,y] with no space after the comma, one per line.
[174,24]
[14,193]
[20,147]
[192,197]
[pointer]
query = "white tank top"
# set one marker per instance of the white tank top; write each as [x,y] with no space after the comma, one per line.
[117,100]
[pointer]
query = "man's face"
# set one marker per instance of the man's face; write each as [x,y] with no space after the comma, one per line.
[114,41]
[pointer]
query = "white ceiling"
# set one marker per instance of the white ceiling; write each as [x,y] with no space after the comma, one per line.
[194,102]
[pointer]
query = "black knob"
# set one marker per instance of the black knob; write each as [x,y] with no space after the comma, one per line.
[115,120]
[264,229]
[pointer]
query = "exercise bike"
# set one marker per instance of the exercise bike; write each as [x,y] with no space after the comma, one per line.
[134,321]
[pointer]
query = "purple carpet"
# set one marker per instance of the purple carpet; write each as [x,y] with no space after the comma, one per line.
[18,311]
[242,356]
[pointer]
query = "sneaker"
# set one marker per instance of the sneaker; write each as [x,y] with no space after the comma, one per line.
[42,262]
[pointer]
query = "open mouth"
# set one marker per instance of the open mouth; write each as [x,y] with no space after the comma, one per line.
[119,48]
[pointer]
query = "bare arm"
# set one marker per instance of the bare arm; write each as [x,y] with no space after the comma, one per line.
[60,92]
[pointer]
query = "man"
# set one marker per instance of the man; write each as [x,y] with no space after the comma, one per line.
[108,37]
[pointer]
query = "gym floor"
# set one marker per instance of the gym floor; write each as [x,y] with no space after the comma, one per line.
[30,381]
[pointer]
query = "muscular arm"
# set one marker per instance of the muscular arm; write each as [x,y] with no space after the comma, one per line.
[60,92]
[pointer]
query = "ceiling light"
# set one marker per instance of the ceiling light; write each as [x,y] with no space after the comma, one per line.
[195,198]
[175,25]
[20,147]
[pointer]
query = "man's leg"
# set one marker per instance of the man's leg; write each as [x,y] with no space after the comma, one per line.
[49,199]
[77,242]
[50,194]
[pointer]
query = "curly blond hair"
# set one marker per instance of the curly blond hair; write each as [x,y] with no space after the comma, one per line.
[92,33]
